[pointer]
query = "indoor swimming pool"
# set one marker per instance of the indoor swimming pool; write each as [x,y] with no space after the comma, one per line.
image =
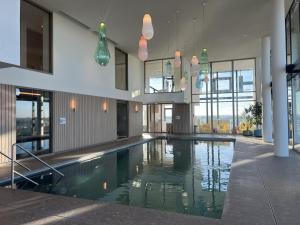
[188,177]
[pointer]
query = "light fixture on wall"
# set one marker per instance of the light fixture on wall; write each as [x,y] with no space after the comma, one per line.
[143,49]
[73,104]
[147,30]
[105,105]
[136,107]
[102,55]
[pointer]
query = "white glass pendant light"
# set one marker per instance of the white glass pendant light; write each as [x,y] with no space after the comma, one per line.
[147,30]
[194,61]
[183,84]
[143,49]
[177,59]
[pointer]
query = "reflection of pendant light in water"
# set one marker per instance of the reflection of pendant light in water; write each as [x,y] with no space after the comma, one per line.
[102,55]
[147,29]
[185,199]
[143,49]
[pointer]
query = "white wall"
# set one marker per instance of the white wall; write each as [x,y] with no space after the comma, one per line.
[74,67]
[175,97]
[10,32]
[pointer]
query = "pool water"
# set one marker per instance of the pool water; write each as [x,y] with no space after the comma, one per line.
[189,177]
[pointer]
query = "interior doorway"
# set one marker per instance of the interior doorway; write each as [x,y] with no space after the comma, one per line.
[122,119]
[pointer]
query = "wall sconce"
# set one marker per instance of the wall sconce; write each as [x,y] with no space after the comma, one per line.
[73,105]
[105,105]
[136,107]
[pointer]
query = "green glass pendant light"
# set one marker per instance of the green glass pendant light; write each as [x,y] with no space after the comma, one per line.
[102,55]
[204,70]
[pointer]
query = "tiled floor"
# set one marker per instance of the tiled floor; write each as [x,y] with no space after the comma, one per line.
[263,190]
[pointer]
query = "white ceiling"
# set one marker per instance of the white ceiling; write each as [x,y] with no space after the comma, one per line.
[232,29]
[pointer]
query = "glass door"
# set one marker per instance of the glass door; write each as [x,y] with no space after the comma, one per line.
[33,121]
[296,111]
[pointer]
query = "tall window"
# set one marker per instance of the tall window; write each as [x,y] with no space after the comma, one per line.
[218,104]
[161,76]
[35,38]
[121,69]
[33,111]
[157,118]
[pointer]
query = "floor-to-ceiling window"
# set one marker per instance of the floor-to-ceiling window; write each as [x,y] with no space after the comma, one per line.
[157,118]
[33,121]
[161,76]
[293,81]
[219,102]
[36,37]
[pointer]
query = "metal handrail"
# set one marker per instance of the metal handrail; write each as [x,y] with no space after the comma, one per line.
[34,156]
[20,164]
[21,175]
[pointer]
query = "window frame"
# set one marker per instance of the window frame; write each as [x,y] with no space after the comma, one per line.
[50,72]
[162,66]
[126,70]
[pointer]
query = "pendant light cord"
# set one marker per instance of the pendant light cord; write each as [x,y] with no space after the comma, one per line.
[106,10]
[194,32]
[168,37]
[176,30]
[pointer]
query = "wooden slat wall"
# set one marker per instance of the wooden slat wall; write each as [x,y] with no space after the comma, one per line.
[88,125]
[135,119]
[7,119]
[181,125]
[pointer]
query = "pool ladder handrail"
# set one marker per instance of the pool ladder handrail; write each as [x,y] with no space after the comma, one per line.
[13,171]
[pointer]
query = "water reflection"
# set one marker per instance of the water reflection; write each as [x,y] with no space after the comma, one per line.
[181,176]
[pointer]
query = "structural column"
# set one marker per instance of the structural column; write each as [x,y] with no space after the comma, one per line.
[266,90]
[258,79]
[279,84]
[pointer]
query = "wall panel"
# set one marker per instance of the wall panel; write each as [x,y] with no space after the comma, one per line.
[181,118]
[135,119]
[7,119]
[87,125]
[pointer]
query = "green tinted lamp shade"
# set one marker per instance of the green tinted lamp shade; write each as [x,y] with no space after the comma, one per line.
[204,56]
[204,69]
[102,30]
[102,55]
